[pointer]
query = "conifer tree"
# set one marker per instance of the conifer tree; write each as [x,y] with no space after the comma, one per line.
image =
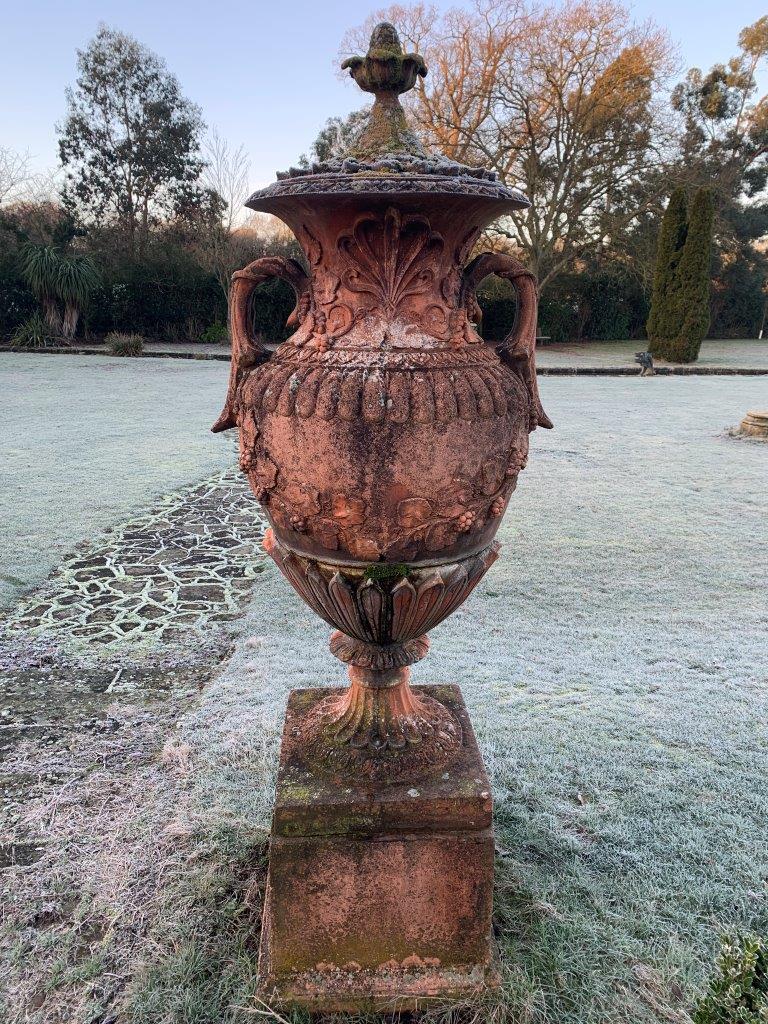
[690,297]
[679,318]
[671,241]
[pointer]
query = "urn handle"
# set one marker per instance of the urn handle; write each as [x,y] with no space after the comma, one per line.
[246,352]
[518,349]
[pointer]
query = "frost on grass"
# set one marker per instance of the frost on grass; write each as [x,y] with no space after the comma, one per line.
[133,901]
[614,664]
[188,561]
[90,439]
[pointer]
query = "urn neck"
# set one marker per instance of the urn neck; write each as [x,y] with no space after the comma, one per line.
[386,276]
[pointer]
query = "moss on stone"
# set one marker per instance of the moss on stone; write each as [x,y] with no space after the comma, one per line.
[387,571]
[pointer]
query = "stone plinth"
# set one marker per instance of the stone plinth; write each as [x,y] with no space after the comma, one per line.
[755,424]
[379,895]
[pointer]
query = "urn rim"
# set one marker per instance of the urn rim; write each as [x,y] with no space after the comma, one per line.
[329,186]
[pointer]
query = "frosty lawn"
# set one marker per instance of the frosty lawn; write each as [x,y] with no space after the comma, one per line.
[87,440]
[625,730]
[624,727]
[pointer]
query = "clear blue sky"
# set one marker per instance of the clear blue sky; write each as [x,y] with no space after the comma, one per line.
[263,71]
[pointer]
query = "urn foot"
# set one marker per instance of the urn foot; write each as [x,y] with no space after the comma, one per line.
[381,728]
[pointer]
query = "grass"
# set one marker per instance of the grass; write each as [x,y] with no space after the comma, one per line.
[134,909]
[89,440]
[207,935]
[145,907]
[124,344]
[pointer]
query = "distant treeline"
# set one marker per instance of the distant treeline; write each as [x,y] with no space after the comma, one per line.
[169,294]
[568,101]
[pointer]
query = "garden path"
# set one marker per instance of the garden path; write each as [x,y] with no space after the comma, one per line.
[89,440]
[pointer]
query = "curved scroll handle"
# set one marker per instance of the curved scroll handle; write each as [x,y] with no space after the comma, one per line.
[246,353]
[518,349]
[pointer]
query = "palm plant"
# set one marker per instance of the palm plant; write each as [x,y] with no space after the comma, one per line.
[40,270]
[57,279]
[76,279]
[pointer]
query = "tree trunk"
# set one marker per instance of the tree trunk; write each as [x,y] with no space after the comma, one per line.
[51,314]
[144,228]
[71,317]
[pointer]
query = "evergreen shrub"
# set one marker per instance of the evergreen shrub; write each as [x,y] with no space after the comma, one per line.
[738,993]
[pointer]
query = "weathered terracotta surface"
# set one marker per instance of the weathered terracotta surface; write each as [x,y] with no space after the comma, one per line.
[755,424]
[384,431]
[378,896]
[384,428]
[379,727]
[384,440]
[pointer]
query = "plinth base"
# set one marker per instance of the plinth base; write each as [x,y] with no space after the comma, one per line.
[379,895]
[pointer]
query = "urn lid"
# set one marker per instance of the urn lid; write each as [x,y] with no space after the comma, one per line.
[385,156]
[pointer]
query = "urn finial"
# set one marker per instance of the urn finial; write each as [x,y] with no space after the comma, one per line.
[385,68]
[386,72]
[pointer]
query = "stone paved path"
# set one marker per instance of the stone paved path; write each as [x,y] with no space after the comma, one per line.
[189,560]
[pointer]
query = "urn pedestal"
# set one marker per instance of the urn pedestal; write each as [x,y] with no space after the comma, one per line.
[379,895]
[384,440]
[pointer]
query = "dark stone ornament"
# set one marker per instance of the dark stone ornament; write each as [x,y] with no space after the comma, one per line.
[384,440]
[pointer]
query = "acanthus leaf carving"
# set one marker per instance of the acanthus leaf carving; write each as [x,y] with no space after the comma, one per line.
[391,258]
[388,610]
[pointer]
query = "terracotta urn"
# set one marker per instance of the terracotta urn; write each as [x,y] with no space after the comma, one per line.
[384,438]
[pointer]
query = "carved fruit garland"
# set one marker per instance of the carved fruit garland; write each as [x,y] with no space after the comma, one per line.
[465,505]
[434,523]
[331,519]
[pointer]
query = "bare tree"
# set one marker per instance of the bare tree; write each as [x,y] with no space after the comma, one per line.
[15,174]
[213,218]
[225,181]
[564,101]
[226,174]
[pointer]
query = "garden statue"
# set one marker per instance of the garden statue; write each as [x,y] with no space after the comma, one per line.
[645,359]
[384,440]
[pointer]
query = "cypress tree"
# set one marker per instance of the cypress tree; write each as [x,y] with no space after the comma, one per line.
[690,296]
[679,318]
[671,242]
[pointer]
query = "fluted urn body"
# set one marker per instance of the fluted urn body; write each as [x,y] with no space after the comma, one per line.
[385,437]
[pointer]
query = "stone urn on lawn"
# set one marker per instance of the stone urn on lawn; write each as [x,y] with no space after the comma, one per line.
[384,440]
